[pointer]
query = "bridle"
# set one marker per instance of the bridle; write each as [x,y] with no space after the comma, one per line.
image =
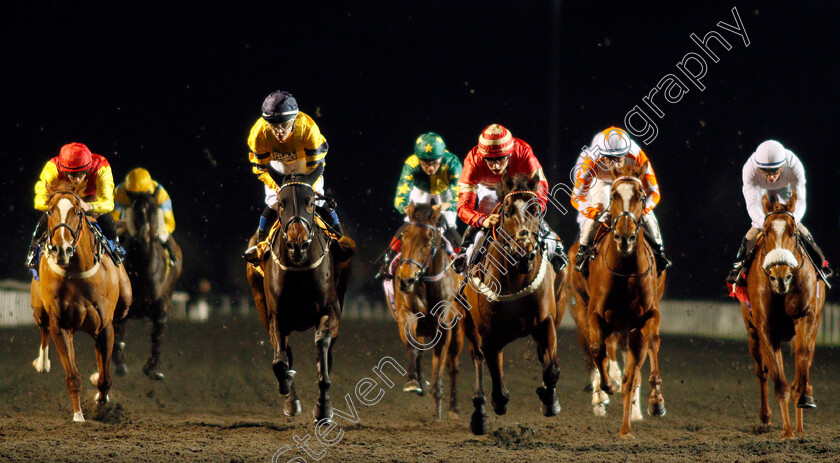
[800,261]
[307,225]
[74,233]
[423,268]
[506,243]
[636,223]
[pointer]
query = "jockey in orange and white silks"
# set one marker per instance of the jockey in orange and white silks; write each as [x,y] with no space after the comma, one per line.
[593,182]
[777,172]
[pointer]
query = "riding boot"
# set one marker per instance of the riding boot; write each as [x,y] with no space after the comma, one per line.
[817,255]
[550,243]
[385,265]
[460,262]
[662,262]
[740,258]
[581,258]
[38,238]
[118,254]
[170,251]
[252,254]
[451,235]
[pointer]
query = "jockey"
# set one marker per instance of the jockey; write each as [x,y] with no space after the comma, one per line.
[285,141]
[593,182]
[77,164]
[774,170]
[430,175]
[497,153]
[139,182]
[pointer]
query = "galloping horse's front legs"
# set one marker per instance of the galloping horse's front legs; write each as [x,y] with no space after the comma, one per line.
[453,364]
[438,363]
[323,341]
[773,356]
[63,340]
[478,421]
[120,368]
[42,363]
[650,333]
[104,346]
[802,389]
[764,412]
[499,396]
[598,349]
[282,366]
[545,335]
[632,374]
[158,316]
[414,383]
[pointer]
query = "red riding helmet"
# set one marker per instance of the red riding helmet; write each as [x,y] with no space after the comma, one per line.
[74,157]
[495,141]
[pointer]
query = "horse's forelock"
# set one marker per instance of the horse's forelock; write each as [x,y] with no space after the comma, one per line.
[422,213]
[519,182]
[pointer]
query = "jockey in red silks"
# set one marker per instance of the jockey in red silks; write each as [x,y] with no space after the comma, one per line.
[497,153]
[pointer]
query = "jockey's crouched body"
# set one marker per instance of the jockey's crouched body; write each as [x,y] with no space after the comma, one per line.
[497,153]
[285,141]
[77,164]
[593,183]
[139,182]
[775,171]
[429,176]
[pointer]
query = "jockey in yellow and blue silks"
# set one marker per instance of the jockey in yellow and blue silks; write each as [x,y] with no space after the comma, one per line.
[139,182]
[429,176]
[284,141]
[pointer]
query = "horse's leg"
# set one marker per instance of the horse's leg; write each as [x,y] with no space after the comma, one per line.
[438,363]
[650,332]
[545,335]
[773,355]
[158,315]
[126,296]
[478,421]
[323,339]
[804,354]
[281,365]
[412,384]
[63,340]
[614,371]
[42,363]
[499,396]
[291,406]
[764,412]
[453,363]
[598,350]
[104,346]
[118,355]
[632,375]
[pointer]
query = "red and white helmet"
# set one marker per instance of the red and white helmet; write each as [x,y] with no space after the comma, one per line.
[74,157]
[770,155]
[495,141]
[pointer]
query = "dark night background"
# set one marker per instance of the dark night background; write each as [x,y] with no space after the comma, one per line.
[176,89]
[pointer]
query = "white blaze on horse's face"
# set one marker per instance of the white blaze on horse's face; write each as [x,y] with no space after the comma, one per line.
[779,226]
[626,190]
[626,238]
[64,206]
[780,262]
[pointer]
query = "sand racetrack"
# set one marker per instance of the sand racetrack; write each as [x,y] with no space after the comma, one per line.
[219,402]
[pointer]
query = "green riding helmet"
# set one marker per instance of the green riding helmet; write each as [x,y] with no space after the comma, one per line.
[429,146]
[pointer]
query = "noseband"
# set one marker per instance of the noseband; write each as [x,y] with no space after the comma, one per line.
[783,259]
[296,217]
[423,268]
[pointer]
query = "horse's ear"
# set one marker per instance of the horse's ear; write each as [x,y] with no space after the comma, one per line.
[534,181]
[766,203]
[791,204]
[435,213]
[409,210]
[507,182]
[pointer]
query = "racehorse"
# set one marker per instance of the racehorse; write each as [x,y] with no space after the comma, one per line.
[79,290]
[510,294]
[302,285]
[153,277]
[424,287]
[575,291]
[785,302]
[624,293]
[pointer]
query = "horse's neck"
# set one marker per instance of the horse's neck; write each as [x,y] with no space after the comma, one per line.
[511,278]
[634,263]
[85,256]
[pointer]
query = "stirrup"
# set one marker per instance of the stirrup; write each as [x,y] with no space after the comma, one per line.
[252,254]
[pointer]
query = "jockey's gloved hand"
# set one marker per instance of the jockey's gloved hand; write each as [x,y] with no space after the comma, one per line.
[605,217]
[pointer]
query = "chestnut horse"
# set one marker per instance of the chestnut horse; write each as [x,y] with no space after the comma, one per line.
[153,277]
[624,292]
[785,302]
[510,294]
[79,290]
[424,287]
[302,285]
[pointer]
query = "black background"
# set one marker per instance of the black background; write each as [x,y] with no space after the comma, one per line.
[175,88]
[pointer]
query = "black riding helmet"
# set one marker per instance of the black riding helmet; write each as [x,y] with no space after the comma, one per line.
[279,107]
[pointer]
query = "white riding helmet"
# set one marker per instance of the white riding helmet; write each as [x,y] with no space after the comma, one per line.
[770,155]
[616,142]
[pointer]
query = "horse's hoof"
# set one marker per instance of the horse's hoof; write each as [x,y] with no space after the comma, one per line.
[121,369]
[599,409]
[550,404]
[588,388]
[479,424]
[454,415]
[627,435]
[500,404]
[413,386]
[292,407]
[551,410]
[321,412]
[99,399]
[41,366]
[787,434]
[78,417]
[610,388]
[657,409]
[806,401]
[284,378]
[151,370]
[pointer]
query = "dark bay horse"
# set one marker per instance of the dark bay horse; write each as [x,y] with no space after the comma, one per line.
[510,294]
[624,289]
[80,289]
[153,276]
[786,300]
[300,284]
[424,287]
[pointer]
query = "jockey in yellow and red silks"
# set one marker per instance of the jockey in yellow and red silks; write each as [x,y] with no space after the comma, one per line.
[593,182]
[76,163]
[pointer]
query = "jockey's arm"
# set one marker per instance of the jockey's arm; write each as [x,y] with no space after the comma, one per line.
[165,203]
[752,196]
[798,184]
[260,168]
[453,173]
[406,183]
[104,191]
[121,201]
[585,178]
[48,174]
[649,183]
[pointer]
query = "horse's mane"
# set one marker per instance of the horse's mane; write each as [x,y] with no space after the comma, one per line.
[629,169]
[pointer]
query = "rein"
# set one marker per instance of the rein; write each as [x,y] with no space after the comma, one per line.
[306,224]
[638,226]
[76,234]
